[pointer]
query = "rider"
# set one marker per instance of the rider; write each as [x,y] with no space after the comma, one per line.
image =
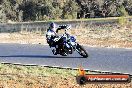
[52,35]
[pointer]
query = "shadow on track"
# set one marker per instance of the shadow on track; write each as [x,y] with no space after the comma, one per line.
[40,56]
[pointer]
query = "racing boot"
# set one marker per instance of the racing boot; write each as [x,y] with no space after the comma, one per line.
[54,52]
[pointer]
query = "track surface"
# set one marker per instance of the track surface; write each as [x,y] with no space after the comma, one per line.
[102,59]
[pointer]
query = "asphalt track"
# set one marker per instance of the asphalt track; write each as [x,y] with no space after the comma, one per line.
[103,59]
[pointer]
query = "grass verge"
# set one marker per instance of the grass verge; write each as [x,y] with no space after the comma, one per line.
[18,76]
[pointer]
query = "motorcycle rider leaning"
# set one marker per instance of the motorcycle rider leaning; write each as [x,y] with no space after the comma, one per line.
[52,34]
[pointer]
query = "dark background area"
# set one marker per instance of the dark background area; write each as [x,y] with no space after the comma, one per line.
[34,10]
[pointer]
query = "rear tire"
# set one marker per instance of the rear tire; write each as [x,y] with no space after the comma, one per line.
[81,51]
[64,54]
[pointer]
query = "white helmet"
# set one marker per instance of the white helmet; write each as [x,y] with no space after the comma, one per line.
[53,26]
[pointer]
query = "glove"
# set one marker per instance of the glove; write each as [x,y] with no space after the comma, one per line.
[57,38]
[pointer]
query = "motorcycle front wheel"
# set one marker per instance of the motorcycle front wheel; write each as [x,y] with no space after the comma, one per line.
[81,51]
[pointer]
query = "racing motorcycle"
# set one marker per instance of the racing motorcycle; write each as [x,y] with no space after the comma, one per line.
[66,44]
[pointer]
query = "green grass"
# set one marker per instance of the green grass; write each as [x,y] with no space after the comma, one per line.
[36,70]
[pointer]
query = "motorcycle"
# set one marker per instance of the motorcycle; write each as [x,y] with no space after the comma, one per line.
[67,44]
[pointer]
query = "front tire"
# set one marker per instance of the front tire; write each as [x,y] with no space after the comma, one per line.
[81,51]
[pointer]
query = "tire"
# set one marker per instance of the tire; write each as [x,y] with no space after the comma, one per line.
[64,51]
[81,51]
[64,54]
[81,80]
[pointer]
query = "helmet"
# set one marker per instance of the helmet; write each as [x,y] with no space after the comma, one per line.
[52,25]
